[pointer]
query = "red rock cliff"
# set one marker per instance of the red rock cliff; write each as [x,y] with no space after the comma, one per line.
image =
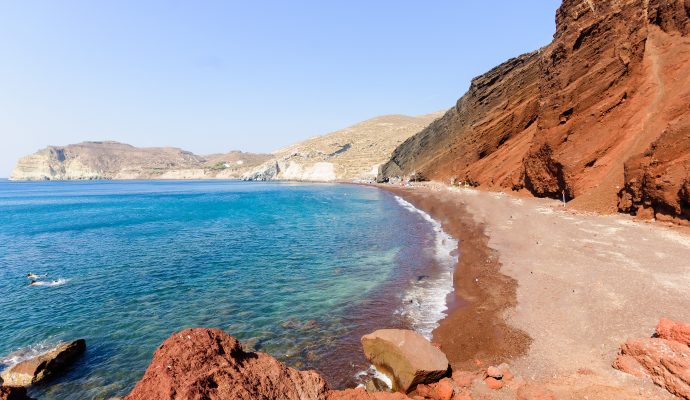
[602,113]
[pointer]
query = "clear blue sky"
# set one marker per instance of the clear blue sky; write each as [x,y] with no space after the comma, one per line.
[211,76]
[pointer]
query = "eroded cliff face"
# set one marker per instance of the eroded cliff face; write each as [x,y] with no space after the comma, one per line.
[602,115]
[353,153]
[113,160]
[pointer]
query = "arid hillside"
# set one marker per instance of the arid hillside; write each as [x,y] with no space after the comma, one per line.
[602,115]
[355,152]
[113,160]
[351,153]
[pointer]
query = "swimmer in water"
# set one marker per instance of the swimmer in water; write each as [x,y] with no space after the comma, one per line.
[33,283]
[32,276]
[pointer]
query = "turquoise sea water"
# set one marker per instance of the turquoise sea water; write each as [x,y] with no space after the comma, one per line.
[297,271]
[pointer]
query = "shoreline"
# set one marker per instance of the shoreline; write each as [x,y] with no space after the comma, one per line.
[425,301]
[480,292]
[558,290]
[551,291]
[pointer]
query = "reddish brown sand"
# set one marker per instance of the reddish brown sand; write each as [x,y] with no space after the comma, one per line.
[554,292]
[481,292]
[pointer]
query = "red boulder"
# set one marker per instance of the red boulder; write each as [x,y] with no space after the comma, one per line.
[210,364]
[666,362]
[672,330]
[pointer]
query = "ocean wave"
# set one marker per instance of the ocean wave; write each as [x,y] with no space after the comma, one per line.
[27,353]
[424,304]
[372,373]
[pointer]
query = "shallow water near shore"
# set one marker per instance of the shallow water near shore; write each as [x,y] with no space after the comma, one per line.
[299,271]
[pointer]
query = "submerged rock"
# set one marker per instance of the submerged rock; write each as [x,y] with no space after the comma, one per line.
[375,385]
[41,367]
[210,364]
[407,355]
[13,393]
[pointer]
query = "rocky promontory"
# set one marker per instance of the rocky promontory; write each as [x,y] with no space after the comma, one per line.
[113,160]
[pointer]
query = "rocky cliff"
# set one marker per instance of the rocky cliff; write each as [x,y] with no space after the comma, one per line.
[348,154]
[113,160]
[602,115]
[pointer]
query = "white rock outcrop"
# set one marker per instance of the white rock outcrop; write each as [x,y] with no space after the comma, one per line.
[353,153]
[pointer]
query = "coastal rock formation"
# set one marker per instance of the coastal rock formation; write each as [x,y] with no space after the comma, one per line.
[113,160]
[407,355]
[657,182]
[600,115]
[13,393]
[210,364]
[353,153]
[39,368]
[666,362]
[662,358]
[672,330]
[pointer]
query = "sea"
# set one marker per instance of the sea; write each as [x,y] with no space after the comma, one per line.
[299,271]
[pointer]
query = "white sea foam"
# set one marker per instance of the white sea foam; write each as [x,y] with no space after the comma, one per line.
[26,353]
[56,282]
[425,302]
[371,373]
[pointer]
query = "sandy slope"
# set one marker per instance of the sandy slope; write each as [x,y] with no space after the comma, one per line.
[585,283]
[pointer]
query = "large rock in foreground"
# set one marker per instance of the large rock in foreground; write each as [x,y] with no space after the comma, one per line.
[34,370]
[407,355]
[666,362]
[210,364]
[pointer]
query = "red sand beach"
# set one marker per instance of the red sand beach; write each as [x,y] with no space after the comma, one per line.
[554,292]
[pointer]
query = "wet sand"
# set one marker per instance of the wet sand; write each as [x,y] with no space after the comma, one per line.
[481,292]
[554,292]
